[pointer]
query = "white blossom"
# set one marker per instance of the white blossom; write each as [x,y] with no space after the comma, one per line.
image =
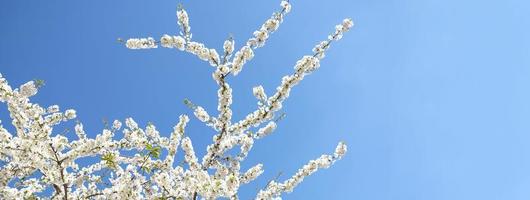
[203,52]
[225,100]
[201,114]
[214,57]
[130,123]
[340,150]
[116,125]
[347,23]
[252,173]
[80,132]
[70,114]
[286,6]
[228,46]
[240,58]
[28,89]
[268,129]
[168,41]
[259,93]
[307,64]
[141,43]
[175,138]
[53,109]
[190,156]
[183,22]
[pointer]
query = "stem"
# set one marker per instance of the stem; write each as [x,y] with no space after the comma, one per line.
[223,132]
[59,162]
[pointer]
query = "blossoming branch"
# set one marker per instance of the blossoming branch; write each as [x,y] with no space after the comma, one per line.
[35,157]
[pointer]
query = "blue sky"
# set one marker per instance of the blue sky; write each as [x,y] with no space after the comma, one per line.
[432,96]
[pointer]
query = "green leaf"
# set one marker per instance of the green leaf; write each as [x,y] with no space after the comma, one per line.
[38,83]
[109,159]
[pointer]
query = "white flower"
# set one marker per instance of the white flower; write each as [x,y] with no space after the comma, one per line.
[141,43]
[347,24]
[259,93]
[224,69]
[116,125]
[246,143]
[224,95]
[151,131]
[189,157]
[70,114]
[320,48]
[324,161]
[204,54]
[179,42]
[53,109]
[271,25]
[268,129]
[173,42]
[183,21]
[214,57]
[28,89]
[340,150]
[167,41]
[241,58]
[130,123]
[232,183]
[260,37]
[252,173]
[228,46]
[79,131]
[201,114]
[307,64]
[286,6]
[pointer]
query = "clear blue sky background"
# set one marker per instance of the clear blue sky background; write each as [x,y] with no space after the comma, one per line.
[432,96]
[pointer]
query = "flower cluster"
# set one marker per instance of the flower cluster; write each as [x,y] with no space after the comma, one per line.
[240,58]
[252,173]
[184,22]
[141,43]
[225,100]
[259,93]
[168,41]
[228,46]
[266,130]
[201,114]
[141,164]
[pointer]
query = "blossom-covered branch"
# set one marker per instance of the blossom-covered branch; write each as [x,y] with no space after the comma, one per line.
[303,67]
[246,52]
[274,189]
[36,154]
